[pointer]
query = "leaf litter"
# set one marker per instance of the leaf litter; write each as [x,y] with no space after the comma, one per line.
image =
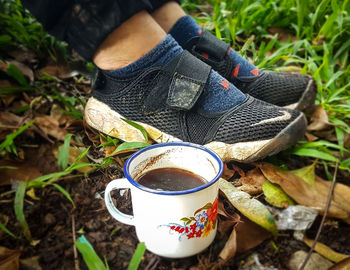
[247,225]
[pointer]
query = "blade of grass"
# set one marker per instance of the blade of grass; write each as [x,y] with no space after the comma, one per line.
[15,73]
[63,152]
[18,205]
[137,126]
[314,153]
[129,146]
[3,228]
[65,193]
[90,257]
[8,143]
[137,257]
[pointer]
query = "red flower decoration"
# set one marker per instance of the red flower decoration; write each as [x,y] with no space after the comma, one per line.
[212,212]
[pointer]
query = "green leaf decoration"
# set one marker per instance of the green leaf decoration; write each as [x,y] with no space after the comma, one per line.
[248,206]
[90,257]
[137,257]
[129,146]
[3,228]
[19,199]
[275,195]
[137,126]
[307,173]
[63,152]
[207,206]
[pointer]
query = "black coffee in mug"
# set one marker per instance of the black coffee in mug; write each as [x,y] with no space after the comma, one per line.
[170,179]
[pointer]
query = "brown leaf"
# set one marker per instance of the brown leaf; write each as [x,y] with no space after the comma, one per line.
[74,153]
[62,72]
[11,171]
[10,120]
[23,55]
[325,251]
[312,196]
[342,265]
[310,137]
[228,173]
[58,114]
[26,71]
[283,35]
[230,248]
[252,182]
[319,119]
[9,259]
[250,235]
[50,126]
[31,263]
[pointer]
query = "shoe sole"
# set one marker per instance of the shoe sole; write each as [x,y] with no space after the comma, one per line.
[307,99]
[101,117]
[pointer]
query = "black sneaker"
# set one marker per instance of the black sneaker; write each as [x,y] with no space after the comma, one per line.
[294,91]
[163,101]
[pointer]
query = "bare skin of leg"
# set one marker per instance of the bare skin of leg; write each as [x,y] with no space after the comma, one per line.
[168,14]
[129,42]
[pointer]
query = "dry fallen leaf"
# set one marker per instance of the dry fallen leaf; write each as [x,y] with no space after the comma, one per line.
[252,182]
[250,235]
[228,173]
[342,265]
[31,263]
[230,248]
[11,171]
[319,119]
[313,196]
[9,259]
[250,207]
[283,35]
[50,126]
[62,72]
[74,153]
[325,251]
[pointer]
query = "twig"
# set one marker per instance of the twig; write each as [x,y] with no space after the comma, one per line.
[76,259]
[328,204]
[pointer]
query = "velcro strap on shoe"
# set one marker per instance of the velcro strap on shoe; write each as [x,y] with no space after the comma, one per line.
[188,81]
[212,45]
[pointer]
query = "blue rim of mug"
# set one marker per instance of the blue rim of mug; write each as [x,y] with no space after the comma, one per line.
[181,192]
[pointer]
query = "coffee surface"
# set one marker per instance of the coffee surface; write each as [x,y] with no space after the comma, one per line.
[170,179]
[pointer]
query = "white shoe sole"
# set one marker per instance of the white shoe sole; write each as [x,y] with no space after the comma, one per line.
[101,117]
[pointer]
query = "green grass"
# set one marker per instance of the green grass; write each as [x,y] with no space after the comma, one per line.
[319,45]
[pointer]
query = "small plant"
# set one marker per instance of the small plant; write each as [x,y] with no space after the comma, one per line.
[8,144]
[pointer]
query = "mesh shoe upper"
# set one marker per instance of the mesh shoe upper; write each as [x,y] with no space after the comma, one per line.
[276,88]
[280,89]
[251,121]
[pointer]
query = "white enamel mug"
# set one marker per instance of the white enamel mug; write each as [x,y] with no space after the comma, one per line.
[173,224]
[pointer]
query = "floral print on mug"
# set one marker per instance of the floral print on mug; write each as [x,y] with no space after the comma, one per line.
[200,224]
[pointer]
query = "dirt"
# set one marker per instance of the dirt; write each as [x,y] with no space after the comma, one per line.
[53,219]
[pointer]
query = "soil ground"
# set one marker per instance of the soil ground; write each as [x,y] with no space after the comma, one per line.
[52,220]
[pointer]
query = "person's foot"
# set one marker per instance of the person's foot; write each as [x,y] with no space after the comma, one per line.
[185,100]
[283,89]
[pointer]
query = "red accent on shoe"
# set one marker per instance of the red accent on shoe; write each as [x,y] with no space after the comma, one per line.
[228,51]
[200,31]
[205,55]
[255,72]
[225,84]
[235,71]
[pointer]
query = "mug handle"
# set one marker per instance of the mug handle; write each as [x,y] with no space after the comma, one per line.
[122,183]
